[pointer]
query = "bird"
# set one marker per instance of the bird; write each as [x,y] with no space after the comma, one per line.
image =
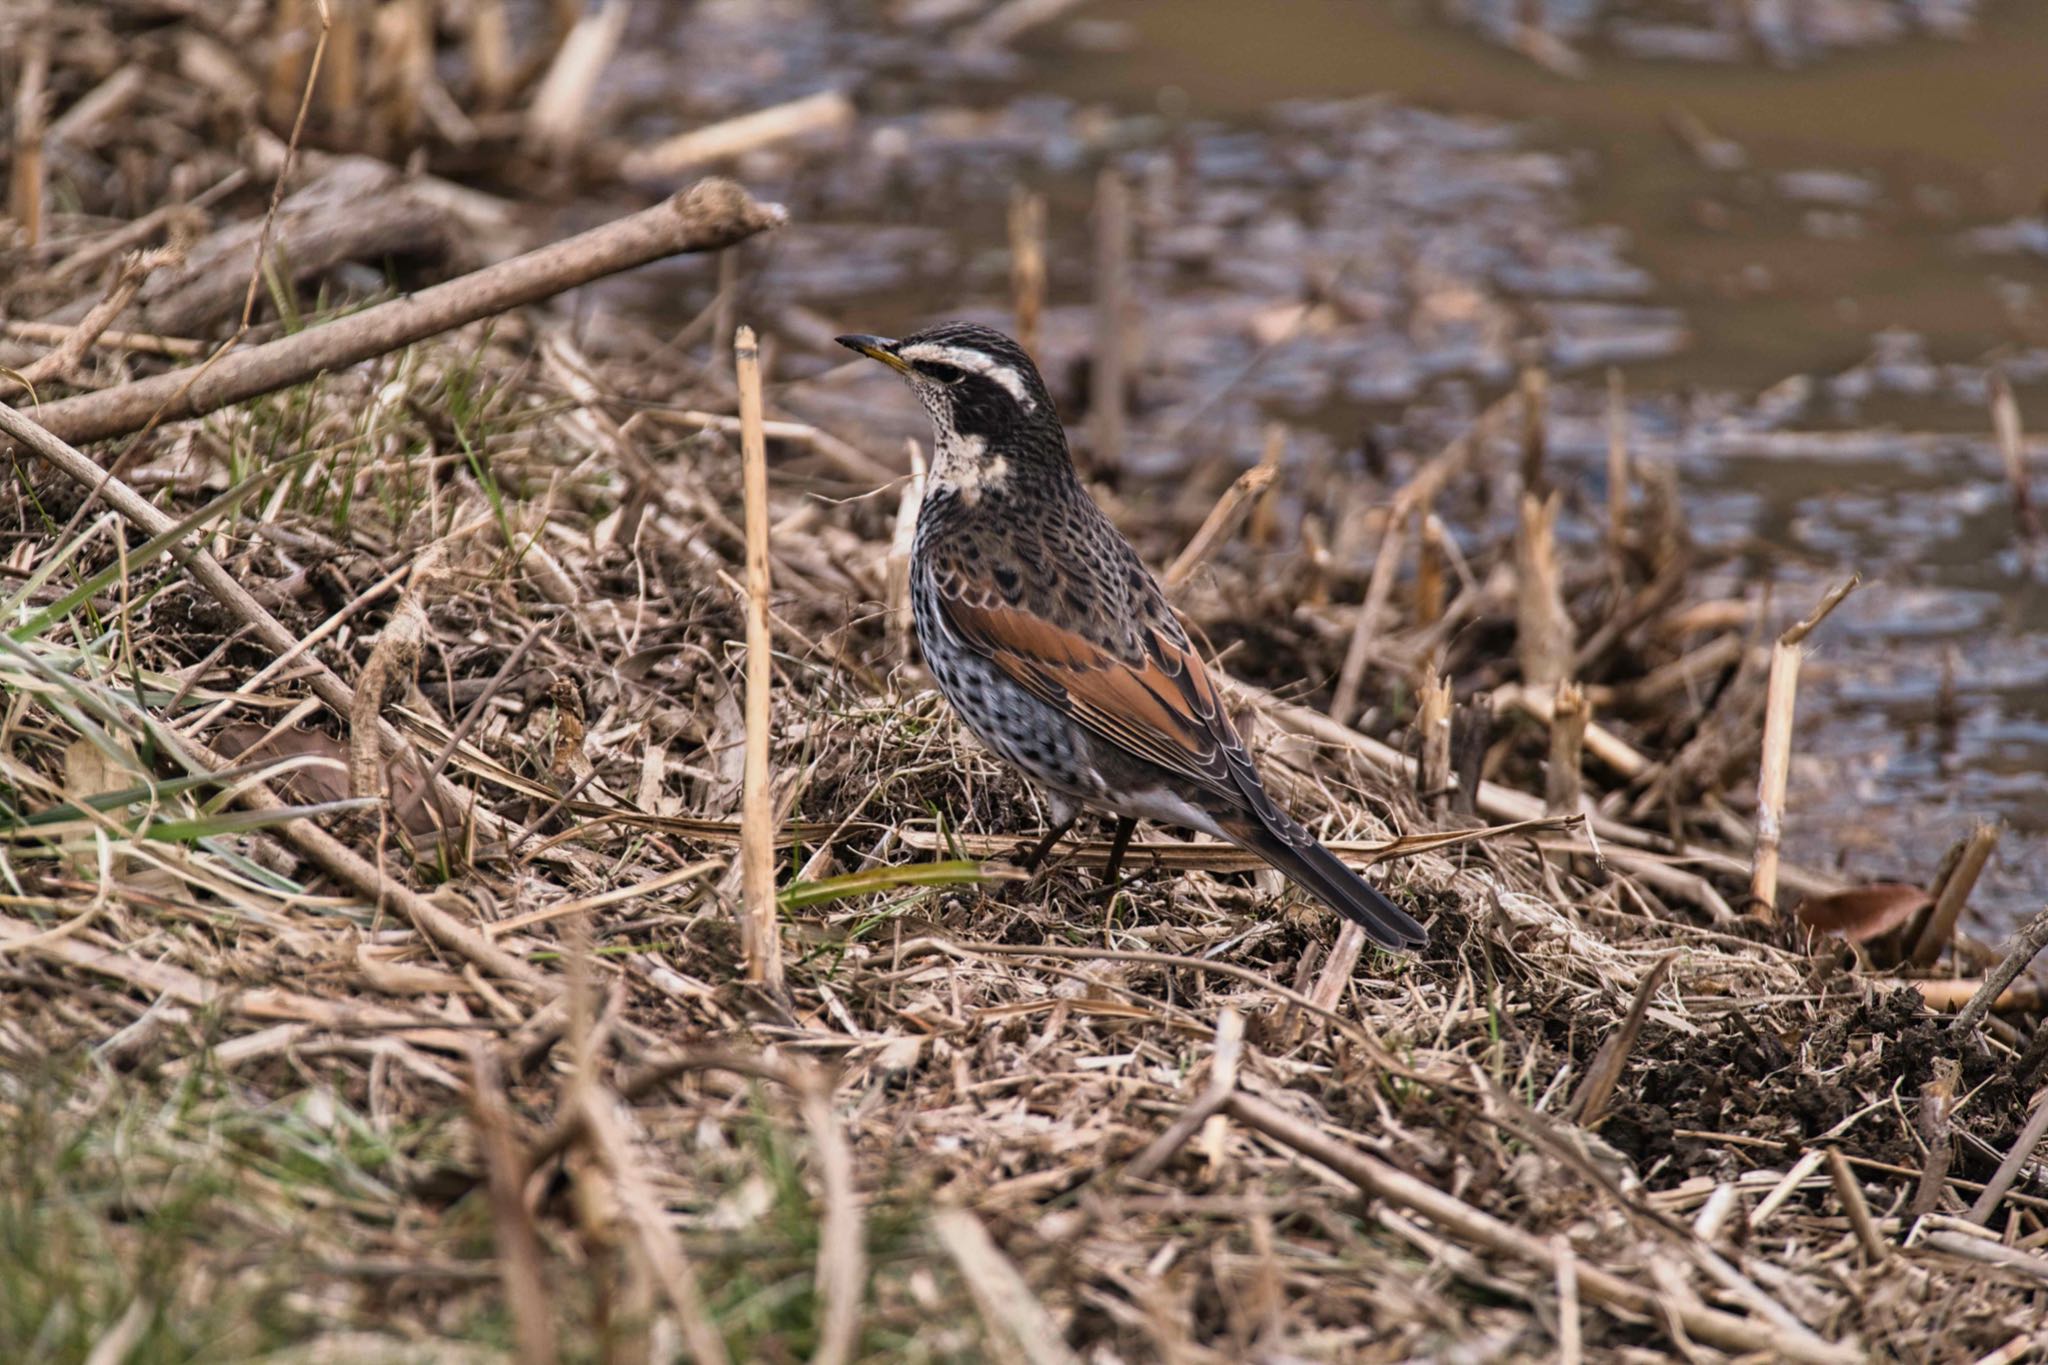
[1055,644]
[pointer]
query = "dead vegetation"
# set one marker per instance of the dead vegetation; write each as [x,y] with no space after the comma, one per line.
[381,977]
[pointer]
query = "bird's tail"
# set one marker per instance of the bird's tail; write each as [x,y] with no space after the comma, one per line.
[1317,870]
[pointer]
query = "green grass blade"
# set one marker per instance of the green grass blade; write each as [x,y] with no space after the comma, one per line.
[148,551]
[242,821]
[954,872]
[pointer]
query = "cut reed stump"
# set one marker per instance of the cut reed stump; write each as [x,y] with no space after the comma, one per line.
[1543,627]
[1780,699]
[1433,725]
[1569,713]
[1112,288]
[1027,264]
[1952,891]
[760,935]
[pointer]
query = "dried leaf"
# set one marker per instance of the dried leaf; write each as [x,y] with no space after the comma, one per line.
[322,776]
[90,771]
[1863,913]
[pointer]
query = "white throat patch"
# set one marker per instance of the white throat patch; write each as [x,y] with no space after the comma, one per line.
[974,362]
[962,464]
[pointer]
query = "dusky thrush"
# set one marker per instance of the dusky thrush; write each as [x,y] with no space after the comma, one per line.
[1056,645]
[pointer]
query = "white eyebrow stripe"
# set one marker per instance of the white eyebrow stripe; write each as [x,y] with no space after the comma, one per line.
[974,362]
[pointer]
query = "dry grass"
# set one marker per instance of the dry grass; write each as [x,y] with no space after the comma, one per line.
[246,1107]
[251,1110]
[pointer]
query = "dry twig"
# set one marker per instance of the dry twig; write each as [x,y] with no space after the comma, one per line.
[709,216]
[1229,512]
[1954,893]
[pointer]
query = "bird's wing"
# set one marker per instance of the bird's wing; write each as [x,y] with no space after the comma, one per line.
[1160,706]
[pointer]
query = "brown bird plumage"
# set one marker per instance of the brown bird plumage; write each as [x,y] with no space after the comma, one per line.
[1057,646]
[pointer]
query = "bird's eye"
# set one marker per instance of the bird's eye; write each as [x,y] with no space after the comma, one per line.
[939,370]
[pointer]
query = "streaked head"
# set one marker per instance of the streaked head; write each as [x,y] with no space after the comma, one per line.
[974,381]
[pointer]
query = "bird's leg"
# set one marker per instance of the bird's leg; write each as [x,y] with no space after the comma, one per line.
[1118,842]
[1052,836]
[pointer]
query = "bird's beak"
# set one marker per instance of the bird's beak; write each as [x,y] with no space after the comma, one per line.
[875,348]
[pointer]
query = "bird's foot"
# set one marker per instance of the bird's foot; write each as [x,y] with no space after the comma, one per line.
[1034,855]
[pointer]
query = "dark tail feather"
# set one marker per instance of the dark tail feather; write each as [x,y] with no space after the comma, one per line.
[1317,870]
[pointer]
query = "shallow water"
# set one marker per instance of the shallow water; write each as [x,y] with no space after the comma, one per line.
[1875,187]
[1445,201]
[1779,271]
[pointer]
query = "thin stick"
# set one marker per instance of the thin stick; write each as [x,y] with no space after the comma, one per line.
[1351,677]
[2020,1348]
[1112,270]
[557,113]
[1420,491]
[2015,1160]
[1336,972]
[519,1255]
[1851,1195]
[1230,509]
[759,932]
[2020,950]
[77,340]
[857,465]
[142,343]
[1027,263]
[108,100]
[1952,994]
[841,1274]
[1975,1247]
[1461,1220]
[1543,628]
[25,190]
[828,111]
[1617,470]
[1223,1068]
[1007,22]
[1562,793]
[711,215]
[1010,1312]
[1954,893]
[1781,698]
[1570,1349]
[604,1122]
[1589,1105]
